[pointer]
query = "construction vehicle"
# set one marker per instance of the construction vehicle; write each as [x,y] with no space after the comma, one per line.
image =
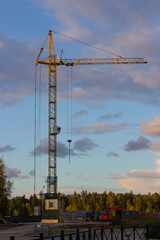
[110,212]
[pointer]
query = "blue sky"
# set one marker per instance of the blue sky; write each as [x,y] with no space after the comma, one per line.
[115,109]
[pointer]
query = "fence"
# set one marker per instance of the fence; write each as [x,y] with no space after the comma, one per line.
[103,233]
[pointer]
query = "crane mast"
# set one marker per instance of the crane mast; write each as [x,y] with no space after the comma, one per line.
[53,129]
[52,117]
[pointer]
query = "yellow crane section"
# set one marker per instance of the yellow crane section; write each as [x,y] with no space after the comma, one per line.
[89,61]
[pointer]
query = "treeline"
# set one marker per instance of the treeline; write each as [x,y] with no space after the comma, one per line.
[97,202]
[22,206]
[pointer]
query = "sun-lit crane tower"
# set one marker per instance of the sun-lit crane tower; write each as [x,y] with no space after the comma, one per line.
[53,129]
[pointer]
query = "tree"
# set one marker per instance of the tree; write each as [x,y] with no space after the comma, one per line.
[121,200]
[156,202]
[138,202]
[5,189]
[111,199]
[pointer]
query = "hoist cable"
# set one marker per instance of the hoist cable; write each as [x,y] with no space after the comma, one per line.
[39,125]
[42,47]
[69,110]
[69,151]
[71,102]
[87,44]
[44,42]
[35,132]
[67,106]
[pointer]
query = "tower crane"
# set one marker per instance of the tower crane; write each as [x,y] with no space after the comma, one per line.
[53,129]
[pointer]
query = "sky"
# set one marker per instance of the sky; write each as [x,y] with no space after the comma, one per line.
[110,112]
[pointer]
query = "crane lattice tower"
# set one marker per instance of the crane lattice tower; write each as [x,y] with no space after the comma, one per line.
[53,129]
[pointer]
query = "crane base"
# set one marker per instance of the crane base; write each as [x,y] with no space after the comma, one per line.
[50,216]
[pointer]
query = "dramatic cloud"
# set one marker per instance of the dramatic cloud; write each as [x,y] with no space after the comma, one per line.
[141,143]
[101,128]
[124,28]
[139,38]
[80,113]
[16,69]
[110,116]
[140,181]
[151,128]
[6,148]
[84,145]
[113,154]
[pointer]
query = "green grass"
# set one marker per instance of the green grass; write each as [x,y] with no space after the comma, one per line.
[142,222]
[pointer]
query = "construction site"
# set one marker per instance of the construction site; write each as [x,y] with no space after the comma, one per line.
[49,218]
[80,122]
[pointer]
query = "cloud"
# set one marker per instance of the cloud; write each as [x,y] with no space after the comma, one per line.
[113,154]
[141,143]
[110,116]
[143,181]
[101,128]
[151,128]
[42,148]
[80,113]
[31,173]
[138,37]
[155,147]
[62,150]
[148,79]
[84,145]
[23,177]
[12,172]
[144,144]
[6,148]
[80,176]
[16,69]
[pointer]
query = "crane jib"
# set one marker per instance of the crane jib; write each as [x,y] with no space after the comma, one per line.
[72,62]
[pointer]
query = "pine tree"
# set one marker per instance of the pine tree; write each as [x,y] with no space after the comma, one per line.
[5,189]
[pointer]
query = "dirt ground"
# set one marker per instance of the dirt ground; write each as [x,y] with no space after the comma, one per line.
[25,231]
